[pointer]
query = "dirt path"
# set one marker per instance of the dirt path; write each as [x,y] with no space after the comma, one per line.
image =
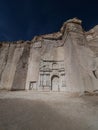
[47,111]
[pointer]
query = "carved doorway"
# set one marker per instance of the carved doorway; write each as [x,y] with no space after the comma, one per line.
[55,83]
[32,85]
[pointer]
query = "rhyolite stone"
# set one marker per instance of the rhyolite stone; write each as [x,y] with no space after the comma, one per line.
[63,61]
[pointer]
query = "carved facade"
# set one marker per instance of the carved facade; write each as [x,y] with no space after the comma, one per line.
[51,76]
[54,73]
[63,61]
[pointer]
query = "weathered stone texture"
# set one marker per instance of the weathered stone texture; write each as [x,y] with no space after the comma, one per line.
[63,61]
[21,69]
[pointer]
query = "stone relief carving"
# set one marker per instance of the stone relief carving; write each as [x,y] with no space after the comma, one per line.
[52,75]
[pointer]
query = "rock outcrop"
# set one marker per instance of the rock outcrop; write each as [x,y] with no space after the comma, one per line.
[63,61]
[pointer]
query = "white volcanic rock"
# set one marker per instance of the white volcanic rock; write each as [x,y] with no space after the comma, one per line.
[63,61]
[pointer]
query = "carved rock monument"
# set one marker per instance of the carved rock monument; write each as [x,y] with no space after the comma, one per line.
[63,61]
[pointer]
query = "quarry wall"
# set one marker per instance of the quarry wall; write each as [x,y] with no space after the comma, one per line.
[63,61]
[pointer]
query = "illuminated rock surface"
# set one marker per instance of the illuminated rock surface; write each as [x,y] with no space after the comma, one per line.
[63,61]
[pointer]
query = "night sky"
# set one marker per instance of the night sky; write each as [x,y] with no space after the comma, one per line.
[23,19]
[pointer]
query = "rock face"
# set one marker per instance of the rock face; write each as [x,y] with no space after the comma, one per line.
[63,61]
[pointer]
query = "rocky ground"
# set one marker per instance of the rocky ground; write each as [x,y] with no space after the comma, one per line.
[47,111]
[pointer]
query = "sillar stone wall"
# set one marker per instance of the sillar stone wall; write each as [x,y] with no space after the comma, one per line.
[63,61]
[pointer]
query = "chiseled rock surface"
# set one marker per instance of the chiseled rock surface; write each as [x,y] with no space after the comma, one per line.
[63,61]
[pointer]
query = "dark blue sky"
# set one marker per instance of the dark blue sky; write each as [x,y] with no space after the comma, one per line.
[23,19]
